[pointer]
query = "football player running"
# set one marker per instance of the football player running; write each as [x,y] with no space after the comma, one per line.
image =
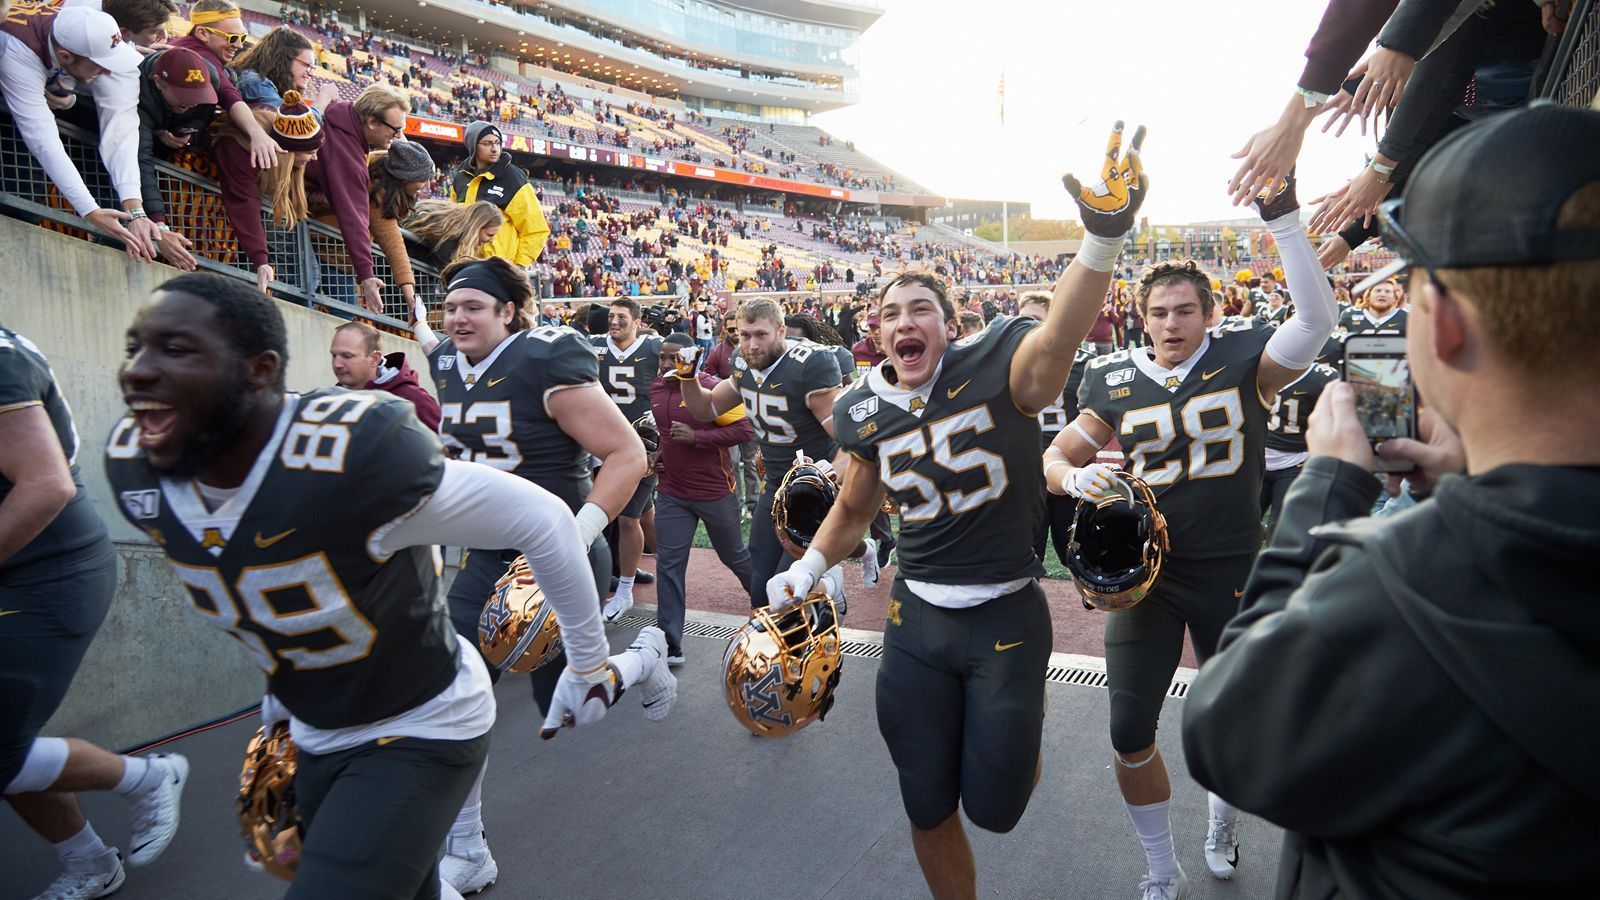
[526,401]
[58,574]
[263,501]
[787,388]
[949,430]
[1191,416]
[629,362]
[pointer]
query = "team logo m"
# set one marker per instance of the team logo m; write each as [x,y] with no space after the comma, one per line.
[761,699]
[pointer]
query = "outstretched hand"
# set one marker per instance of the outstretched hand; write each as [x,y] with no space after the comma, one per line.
[1108,209]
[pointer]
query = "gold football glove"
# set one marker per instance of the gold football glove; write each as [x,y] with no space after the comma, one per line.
[1108,208]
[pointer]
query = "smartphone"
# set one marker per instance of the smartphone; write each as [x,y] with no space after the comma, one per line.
[1375,365]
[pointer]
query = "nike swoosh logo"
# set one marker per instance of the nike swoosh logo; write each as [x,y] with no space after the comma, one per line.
[775,384]
[950,393]
[386,741]
[494,381]
[1298,393]
[9,612]
[1210,375]
[263,543]
[999,647]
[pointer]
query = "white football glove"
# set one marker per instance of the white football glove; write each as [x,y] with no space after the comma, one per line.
[1095,482]
[832,583]
[272,711]
[790,587]
[578,702]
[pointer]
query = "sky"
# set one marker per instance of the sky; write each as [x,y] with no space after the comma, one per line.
[1202,77]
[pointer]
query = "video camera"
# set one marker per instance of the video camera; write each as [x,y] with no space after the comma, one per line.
[654,317]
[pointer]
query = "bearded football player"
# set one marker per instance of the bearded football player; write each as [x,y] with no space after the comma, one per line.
[264,501]
[1190,414]
[787,388]
[949,430]
[1381,311]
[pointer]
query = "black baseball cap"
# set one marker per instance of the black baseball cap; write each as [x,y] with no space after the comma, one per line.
[1489,194]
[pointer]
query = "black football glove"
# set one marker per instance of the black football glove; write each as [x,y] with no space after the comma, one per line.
[1109,208]
[1277,199]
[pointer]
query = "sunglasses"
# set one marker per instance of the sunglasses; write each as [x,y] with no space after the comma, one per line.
[1404,246]
[234,38]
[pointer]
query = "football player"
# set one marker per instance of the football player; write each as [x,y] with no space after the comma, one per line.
[529,402]
[265,502]
[1383,311]
[628,363]
[58,572]
[787,388]
[1286,437]
[949,430]
[1190,414]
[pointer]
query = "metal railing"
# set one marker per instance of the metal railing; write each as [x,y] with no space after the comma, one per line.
[310,262]
[1573,77]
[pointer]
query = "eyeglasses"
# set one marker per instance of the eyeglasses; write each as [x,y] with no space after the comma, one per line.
[394,128]
[234,38]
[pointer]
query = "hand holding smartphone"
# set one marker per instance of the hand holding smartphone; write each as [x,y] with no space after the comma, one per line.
[1376,367]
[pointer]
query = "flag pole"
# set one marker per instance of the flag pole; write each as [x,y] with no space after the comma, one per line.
[1005,203]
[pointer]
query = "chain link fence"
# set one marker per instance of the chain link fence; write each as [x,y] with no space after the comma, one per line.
[1574,69]
[310,261]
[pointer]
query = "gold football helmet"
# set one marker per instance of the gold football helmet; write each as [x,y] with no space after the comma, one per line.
[780,671]
[269,818]
[1115,548]
[649,434]
[517,630]
[801,502]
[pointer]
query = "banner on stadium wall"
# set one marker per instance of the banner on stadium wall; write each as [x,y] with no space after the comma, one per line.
[521,143]
[430,128]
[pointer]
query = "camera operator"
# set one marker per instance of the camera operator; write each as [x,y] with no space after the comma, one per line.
[1367,709]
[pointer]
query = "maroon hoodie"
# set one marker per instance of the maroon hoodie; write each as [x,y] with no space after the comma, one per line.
[702,471]
[397,377]
[340,172]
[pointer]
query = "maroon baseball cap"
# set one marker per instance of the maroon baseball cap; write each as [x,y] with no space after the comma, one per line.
[187,76]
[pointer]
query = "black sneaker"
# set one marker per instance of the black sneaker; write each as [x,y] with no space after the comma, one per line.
[642,577]
[674,656]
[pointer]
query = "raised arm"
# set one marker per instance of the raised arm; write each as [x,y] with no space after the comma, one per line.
[1297,342]
[1043,362]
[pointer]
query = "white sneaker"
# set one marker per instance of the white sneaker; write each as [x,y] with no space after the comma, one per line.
[1176,888]
[659,687]
[869,562]
[616,608]
[1222,847]
[155,812]
[84,879]
[468,866]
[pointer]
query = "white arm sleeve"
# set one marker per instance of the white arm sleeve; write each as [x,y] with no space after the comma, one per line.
[116,100]
[22,83]
[1299,340]
[477,506]
[426,339]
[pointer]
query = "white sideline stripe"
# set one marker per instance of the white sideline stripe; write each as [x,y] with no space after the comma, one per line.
[1183,675]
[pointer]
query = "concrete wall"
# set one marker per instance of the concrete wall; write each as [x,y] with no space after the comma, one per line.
[154,667]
